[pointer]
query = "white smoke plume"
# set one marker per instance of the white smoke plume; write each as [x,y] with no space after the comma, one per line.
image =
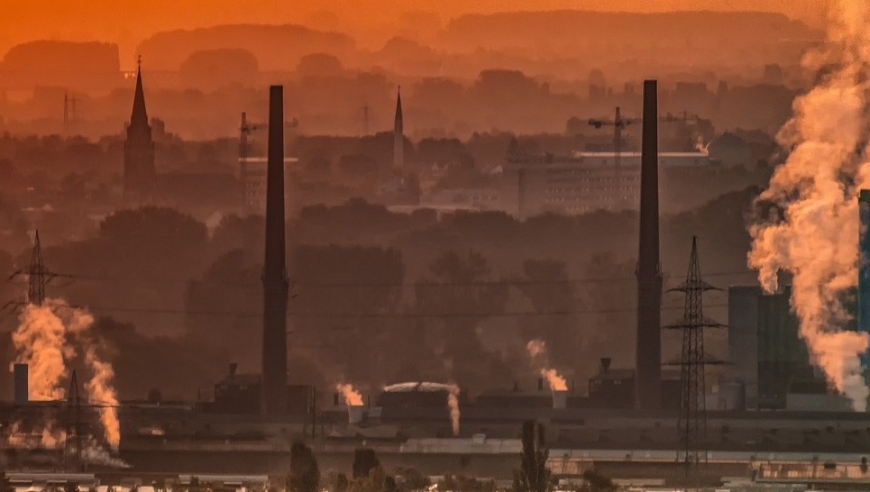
[102,392]
[537,350]
[453,403]
[42,341]
[352,397]
[49,436]
[97,455]
[817,189]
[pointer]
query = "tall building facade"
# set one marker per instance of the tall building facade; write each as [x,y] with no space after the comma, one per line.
[139,170]
[743,303]
[863,315]
[584,181]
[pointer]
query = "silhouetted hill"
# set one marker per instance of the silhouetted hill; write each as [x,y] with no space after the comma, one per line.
[276,47]
[701,36]
[60,63]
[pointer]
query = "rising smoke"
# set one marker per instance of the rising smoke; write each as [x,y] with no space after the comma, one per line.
[453,403]
[352,397]
[44,341]
[817,189]
[537,350]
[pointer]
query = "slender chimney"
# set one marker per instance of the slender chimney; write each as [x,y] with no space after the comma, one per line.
[21,391]
[275,286]
[649,276]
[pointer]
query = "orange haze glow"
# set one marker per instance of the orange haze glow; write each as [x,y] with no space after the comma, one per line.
[128,22]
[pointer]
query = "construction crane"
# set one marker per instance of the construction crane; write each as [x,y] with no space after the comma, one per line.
[246,129]
[618,123]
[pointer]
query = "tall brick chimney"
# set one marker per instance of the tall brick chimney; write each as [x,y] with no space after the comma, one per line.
[275,285]
[648,393]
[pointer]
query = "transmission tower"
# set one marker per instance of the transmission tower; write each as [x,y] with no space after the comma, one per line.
[72,451]
[38,276]
[692,421]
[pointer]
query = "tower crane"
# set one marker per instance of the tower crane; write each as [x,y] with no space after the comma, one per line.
[618,123]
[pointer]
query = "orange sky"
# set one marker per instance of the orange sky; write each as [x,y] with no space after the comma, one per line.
[127,22]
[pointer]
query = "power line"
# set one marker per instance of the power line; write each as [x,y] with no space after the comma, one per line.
[502,282]
[403,315]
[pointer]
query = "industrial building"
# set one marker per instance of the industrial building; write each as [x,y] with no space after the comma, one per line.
[252,174]
[583,181]
[770,366]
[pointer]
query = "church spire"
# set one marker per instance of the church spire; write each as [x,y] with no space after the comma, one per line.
[399,136]
[399,105]
[139,171]
[140,114]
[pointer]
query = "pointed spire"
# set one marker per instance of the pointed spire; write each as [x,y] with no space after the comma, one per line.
[140,114]
[399,104]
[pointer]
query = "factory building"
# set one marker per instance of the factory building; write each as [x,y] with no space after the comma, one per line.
[583,181]
[770,364]
[863,298]
[253,181]
[743,344]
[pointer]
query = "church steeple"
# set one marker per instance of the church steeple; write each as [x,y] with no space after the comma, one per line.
[140,114]
[139,171]
[399,136]
[399,106]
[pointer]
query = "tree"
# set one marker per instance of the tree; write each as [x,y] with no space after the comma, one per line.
[364,461]
[155,396]
[533,476]
[341,483]
[464,285]
[412,480]
[390,484]
[596,482]
[5,485]
[304,473]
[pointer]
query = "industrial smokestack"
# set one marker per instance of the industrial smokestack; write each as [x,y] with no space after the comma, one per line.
[649,276]
[560,399]
[21,388]
[275,286]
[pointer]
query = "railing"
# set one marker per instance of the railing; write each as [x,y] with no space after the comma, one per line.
[813,472]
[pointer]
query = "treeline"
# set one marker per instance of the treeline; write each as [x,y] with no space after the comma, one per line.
[377,296]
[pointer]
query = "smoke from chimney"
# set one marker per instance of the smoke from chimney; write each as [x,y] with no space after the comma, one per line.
[453,403]
[537,350]
[40,341]
[352,397]
[817,187]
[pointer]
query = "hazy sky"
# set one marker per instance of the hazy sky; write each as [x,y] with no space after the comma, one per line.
[127,22]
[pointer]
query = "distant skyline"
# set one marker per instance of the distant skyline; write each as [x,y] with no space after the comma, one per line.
[128,22]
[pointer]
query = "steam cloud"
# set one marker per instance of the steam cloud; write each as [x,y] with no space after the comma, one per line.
[42,342]
[453,403]
[352,397]
[817,190]
[537,350]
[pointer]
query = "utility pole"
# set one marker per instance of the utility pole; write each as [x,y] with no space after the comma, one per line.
[692,422]
[73,442]
[70,112]
[366,119]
